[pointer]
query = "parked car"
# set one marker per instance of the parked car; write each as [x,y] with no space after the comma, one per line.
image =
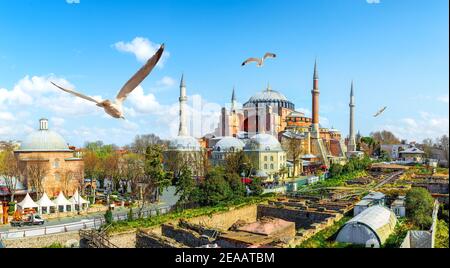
[30,219]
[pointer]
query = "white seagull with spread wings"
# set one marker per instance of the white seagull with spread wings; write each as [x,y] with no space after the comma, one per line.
[114,108]
[380,111]
[259,61]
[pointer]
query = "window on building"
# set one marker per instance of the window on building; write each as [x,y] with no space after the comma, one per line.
[56,163]
[265,166]
[271,158]
[265,158]
[271,166]
[57,177]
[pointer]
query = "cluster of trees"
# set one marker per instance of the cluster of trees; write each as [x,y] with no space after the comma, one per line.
[371,144]
[419,207]
[354,164]
[220,184]
[142,171]
[441,143]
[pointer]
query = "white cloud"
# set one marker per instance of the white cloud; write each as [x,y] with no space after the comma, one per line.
[166,81]
[72,1]
[373,1]
[57,121]
[142,48]
[427,125]
[443,99]
[79,120]
[7,116]
[143,103]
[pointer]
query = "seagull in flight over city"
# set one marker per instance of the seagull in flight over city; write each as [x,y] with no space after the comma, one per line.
[259,61]
[380,111]
[114,108]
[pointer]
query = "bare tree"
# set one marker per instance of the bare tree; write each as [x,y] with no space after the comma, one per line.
[294,150]
[444,145]
[66,178]
[427,146]
[36,170]
[141,142]
[132,171]
[112,169]
[385,137]
[10,171]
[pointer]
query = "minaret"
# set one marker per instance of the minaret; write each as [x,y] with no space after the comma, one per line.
[315,103]
[351,138]
[233,102]
[182,131]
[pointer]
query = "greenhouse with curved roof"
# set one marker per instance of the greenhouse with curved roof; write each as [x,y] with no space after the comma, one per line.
[370,228]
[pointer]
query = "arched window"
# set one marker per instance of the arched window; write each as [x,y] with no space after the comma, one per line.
[265,166]
[271,158]
[271,166]
[56,163]
[57,177]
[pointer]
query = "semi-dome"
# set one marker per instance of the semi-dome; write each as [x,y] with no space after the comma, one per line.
[269,97]
[44,140]
[229,144]
[263,142]
[184,143]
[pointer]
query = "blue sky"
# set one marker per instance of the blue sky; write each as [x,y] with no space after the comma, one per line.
[396,51]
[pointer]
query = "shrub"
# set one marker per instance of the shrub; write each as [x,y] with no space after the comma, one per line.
[441,234]
[11,207]
[130,214]
[108,216]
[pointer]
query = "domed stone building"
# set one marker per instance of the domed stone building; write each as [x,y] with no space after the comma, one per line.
[224,147]
[48,164]
[263,112]
[266,154]
[270,112]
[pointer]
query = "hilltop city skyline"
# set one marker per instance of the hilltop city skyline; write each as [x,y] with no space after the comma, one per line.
[357,40]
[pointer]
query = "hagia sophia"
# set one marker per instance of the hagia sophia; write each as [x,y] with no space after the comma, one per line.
[262,129]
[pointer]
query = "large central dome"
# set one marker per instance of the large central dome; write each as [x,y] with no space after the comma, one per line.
[269,97]
[44,140]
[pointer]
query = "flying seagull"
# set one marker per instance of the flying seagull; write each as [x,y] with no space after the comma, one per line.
[380,111]
[114,108]
[259,61]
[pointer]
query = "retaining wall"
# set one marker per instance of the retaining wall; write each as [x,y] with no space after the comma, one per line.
[41,241]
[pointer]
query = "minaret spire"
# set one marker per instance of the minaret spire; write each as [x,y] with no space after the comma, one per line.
[182,131]
[351,138]
[233,100]
[316,74]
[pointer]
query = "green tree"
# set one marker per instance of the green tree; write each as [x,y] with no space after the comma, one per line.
[108,216]
[238,163]
[157,179]
[185,185]
[236,184]
[336,170]
[419,207]
[215,189]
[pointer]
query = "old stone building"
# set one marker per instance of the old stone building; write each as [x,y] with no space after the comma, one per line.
[47,163]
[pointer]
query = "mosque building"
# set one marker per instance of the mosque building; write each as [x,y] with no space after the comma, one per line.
[183,149]
[47,152]
[269,112]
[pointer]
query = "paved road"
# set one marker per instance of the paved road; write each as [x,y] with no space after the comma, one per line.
[168,199]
